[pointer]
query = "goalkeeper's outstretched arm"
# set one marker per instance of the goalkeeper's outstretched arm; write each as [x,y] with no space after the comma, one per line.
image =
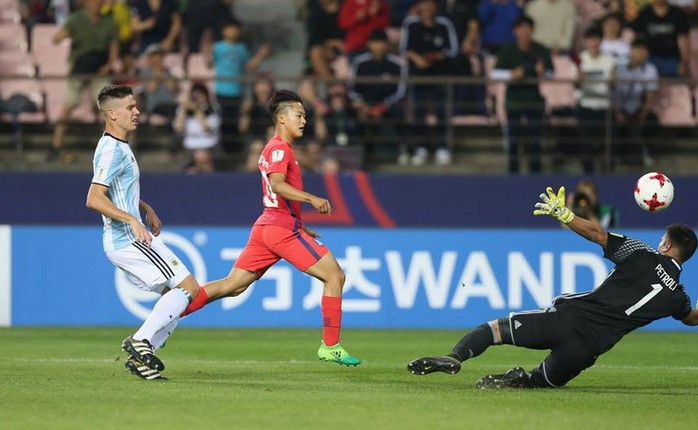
[589,230]
[553,204]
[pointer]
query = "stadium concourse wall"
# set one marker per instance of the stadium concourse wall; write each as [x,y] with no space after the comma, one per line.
[407,265]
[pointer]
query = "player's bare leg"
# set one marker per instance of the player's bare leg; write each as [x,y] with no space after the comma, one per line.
[327,270]
[237,281]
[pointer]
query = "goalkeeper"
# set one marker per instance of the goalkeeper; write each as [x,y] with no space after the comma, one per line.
[643,287]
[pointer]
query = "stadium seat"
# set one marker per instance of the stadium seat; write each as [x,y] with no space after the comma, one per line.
[175,63]
[341,67]
[674,105]
[560,96]
[20,66]
[52,59]
[9,12]
[197,67]
[17,63]
[13,37]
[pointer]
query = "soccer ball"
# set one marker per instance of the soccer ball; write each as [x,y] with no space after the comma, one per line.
[654,192]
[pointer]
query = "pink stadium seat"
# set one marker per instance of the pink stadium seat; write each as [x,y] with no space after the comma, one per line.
[13,37]
[9,12]
[52,59]
[30,88]
[197,67]
[55,96]
[560,94]
[673,105]
[341,67]
[175,63]
[17,63]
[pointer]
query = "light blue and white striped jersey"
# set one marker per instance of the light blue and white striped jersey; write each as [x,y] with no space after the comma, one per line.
[115,167]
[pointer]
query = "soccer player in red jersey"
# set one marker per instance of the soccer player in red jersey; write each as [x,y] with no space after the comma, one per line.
[279,232]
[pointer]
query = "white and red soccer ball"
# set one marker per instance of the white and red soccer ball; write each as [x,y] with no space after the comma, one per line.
[654,192]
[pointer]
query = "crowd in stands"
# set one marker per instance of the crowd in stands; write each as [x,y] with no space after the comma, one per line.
[359,53]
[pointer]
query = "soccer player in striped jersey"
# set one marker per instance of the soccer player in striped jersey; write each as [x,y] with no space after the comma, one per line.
[141,254]
[643,287]
[280,233]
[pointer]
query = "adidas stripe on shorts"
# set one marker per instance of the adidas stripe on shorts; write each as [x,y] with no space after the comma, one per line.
[150,268]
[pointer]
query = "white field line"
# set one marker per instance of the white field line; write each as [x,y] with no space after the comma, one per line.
[297,362]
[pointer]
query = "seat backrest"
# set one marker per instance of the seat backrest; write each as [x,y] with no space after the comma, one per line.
[674,105]
[13,37]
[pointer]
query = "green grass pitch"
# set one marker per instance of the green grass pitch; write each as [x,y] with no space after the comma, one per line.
[73,378]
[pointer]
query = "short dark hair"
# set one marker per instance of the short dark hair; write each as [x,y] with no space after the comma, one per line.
[524,20]
[684,238]
[280,100]
[232,22]
[639,43]
[113,92]
[593,32]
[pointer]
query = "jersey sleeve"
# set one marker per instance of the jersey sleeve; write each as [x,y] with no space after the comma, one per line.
[619,247]
[685,309]
[279,157]
[107,164]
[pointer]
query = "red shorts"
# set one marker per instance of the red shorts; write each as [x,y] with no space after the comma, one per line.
[268,244]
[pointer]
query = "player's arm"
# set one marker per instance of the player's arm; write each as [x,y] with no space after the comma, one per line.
[692,318]
[151,217]
[98,200]
[280,187]
[553,204]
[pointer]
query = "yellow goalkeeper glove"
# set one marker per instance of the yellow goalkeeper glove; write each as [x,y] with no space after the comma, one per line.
[554,205]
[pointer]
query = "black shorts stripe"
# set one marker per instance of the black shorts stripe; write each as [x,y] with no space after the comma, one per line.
[162,261]
[155,259]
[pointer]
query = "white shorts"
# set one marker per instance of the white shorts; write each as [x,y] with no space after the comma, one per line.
[151,269]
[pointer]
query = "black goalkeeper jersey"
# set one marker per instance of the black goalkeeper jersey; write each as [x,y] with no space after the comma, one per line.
[643,287]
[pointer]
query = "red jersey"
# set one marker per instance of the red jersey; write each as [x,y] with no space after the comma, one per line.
[278,157]
[356,33]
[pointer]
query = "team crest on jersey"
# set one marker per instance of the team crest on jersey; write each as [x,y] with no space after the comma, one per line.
[277,155]
[174,263]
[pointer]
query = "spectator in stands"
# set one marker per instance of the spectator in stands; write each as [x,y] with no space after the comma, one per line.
[309,147]
[255,123]
[94,51]
[200,15]
[497,18]
[358,19]
[666,29]
[556,19]
[325,38]
[156,21]
[634,97]
[469,98]
[120,12]
[343,148]
[128,73]
[584,202]
[593,96]
[198,121]
[230,60]
[160,88]
[401,9]
[378,104]
[428,42]
[35,12]
[521,62]
[613,44]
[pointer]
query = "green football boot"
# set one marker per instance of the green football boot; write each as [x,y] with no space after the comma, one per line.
[336,354]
